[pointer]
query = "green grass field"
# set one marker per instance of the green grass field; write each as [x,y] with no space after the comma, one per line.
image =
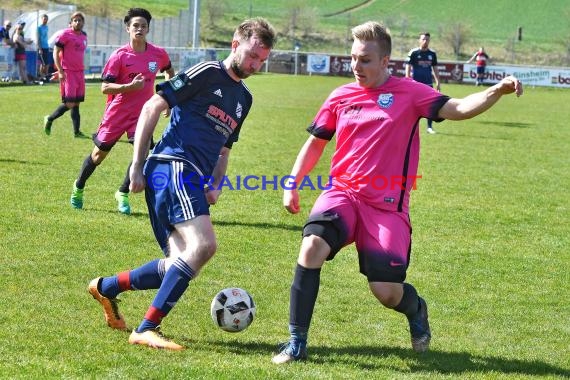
[490,254]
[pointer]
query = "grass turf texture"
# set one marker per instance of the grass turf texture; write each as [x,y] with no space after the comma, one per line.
[490,250]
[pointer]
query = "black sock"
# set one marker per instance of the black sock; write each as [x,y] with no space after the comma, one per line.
[75,119]
[410,303]
[304,291]
[127,181]
[87,169]
[60,110]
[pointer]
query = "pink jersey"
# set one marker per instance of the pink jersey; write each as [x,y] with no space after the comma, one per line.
[377,138]
[73,46]
[124,64]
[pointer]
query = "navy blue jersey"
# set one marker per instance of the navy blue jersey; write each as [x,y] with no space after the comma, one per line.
[208,110]
[422,62]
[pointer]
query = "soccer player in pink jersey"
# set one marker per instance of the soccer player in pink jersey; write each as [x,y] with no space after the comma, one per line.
[68,55]
[128,81]
[374,166]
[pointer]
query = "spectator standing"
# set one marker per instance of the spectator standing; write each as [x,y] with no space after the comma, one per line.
[481,59]
[43,48]
[6,41]
[5,33]
[20,43]
[421,65]
[68,56]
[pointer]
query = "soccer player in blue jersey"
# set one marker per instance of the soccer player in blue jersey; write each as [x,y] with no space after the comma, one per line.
[421,65]
[209,103]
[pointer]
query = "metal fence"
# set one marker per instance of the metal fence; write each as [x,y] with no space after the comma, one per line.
[169,31]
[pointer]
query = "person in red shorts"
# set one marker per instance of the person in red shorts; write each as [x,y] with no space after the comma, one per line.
[481,59]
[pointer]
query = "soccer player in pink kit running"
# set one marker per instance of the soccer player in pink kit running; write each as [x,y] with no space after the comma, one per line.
[375,120]
[128,81]
[70,46]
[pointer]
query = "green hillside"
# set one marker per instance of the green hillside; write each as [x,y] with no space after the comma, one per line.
[323,26]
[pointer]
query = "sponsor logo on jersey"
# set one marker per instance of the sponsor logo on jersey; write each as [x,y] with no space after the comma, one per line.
[225,124]
[218,92]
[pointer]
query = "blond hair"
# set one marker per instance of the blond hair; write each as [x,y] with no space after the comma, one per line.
[374,31]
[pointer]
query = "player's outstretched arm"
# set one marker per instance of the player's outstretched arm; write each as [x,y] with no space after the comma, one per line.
[306,160]
[475,104]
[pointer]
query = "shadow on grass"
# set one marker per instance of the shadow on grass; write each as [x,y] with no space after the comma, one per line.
[507,124]
[264,226]
[280,226]
[13,161]
[441,362]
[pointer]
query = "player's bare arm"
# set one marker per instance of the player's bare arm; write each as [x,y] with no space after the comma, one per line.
[167,75]
[213,191]
[475,104]
[136,84]
[306,160]
[146,124]
[57,63]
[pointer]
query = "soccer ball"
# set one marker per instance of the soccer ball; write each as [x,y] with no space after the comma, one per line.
[232,309]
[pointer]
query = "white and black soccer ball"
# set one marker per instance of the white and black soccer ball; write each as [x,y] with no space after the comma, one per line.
[232,309]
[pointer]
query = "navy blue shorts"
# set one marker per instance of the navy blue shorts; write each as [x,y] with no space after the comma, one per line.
[172,197]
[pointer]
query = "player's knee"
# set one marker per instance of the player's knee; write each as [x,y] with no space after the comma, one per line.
[206,249]
[98,155]
[326,231]
[386,293]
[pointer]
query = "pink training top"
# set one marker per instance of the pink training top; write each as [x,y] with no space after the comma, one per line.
[73,46]
[124,64]
[377,138]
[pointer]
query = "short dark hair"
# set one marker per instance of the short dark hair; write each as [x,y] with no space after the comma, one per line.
[425,34]
[137,12]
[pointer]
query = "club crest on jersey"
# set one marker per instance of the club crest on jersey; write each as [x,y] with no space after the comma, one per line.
[176,83]
[152,67]
[385,100]
[238,110]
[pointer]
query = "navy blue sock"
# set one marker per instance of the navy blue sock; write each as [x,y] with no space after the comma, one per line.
[304,291]
[172,288]
[147,276]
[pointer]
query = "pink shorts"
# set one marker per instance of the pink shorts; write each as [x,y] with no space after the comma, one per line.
[72,89]
[382,238]
[108,135]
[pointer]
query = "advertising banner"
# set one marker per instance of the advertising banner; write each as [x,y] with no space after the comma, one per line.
[552,77]
[449,72]
[340,65]
[318,64]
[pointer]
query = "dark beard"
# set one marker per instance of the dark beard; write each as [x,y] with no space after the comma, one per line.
[238,71]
